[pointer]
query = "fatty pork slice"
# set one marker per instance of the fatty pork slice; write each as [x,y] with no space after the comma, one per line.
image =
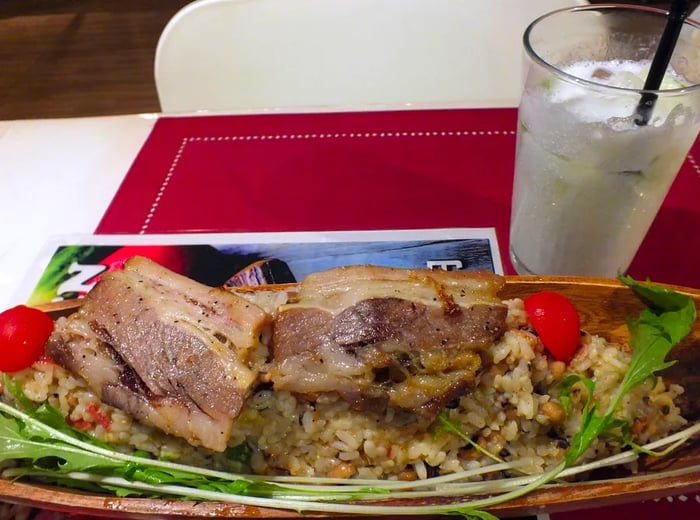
[174,353]
[379,336]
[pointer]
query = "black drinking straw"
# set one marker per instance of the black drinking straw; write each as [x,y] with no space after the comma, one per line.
[677,13]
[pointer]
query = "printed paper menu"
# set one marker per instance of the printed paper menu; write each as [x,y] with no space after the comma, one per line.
[72,265]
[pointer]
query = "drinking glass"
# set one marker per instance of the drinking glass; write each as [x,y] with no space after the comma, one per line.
[589,179]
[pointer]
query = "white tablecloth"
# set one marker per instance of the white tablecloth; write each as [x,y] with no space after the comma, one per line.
[57,177]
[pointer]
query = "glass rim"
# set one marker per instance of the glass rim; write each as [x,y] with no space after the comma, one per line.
[590,83]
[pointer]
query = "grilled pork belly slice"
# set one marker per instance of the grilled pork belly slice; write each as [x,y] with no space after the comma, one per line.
[383,336]
[77,348]
[176,354]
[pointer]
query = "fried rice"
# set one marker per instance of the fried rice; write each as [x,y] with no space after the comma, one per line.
[514,413]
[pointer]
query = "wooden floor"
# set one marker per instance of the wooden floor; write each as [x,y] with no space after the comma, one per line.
[65,58]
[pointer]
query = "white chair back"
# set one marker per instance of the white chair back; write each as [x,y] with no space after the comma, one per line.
[222,55]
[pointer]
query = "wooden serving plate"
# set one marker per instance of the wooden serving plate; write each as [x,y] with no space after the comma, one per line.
[603,305]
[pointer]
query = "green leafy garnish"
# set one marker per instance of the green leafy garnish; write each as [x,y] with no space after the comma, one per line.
[445,425]
[667,320]
[240,456]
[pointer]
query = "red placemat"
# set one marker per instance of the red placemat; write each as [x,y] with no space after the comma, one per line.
[359,170]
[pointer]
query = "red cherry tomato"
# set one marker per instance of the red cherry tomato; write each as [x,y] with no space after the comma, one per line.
[556,321]
[24,332]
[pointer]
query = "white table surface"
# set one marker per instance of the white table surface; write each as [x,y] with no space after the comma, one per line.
[57,176]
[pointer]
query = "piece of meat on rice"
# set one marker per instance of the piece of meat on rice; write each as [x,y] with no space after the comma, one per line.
[385,336]
[174,353]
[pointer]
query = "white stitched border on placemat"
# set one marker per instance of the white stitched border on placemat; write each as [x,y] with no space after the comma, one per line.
[292,136]
[694,164]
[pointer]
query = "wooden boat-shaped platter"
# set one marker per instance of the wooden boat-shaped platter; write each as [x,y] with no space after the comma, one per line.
[603,305]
